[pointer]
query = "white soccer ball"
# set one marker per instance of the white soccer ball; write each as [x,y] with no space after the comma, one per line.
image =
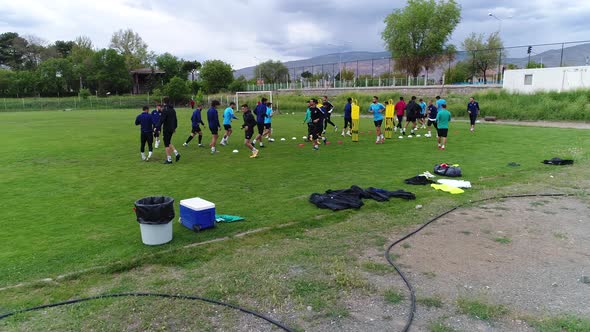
[235,151]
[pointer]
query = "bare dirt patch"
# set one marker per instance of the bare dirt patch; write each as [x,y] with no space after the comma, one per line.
[528,254]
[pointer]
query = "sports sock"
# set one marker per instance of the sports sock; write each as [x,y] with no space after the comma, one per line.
[200,138]
[175,153]
[150,154]
[142,155]
[169,158]
[190,138]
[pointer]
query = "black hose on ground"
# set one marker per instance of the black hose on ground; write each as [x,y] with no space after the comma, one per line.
[171,296]
[402,275]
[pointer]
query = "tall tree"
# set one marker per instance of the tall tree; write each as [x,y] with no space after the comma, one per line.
[216,75]
[13,49]
[83,42]
[173,66]
[55,77]
[131,46]
[419,32]
[109,72]
[81,57]
[191,67]
[272,72]
[485,53]
[64,48]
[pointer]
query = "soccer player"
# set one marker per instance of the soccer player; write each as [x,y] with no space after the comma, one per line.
[268,123]
[196,121]
[442,120]
[248,126]
[147,129]
[440,102]
[328,108]
[431,114]
[473,110]
[213,121]
[347,117]
[400,108]
[377,109]
[412,113]
[228,115]
[156,114]
[260,112]
[307,121]
[422,116]
[169,124]
[317,123]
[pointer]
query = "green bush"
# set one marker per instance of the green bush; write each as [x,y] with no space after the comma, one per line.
[85,93]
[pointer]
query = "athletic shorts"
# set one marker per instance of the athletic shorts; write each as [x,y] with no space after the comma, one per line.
[422,116]
[226,127]
[411,118]
[167,138]
[472,118]
[214,131]
[157,132]
[378,123]
[267,126]
[443,132]
[431,122]
[260,128]
[196,129]
[316,130]
[248,133]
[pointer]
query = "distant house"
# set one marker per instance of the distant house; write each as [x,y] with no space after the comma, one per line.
[144,79]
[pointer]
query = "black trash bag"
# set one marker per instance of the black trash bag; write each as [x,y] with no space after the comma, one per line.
[447,170]
[154,210]
[418,180]
[558,161]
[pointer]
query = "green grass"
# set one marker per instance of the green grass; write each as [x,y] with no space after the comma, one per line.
[481,310]
[71,178]
[393,296]
[566,323]
[430,302]
[503,240]
[439,326]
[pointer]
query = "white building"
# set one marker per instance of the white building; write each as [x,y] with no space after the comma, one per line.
[547,79]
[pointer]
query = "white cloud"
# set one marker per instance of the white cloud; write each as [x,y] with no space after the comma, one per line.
[237,31]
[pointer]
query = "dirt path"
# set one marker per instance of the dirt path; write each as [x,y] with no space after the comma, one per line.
[527,254]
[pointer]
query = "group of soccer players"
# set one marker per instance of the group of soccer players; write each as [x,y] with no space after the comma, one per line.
[418,115]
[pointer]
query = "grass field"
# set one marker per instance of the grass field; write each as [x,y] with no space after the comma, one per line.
[69,181]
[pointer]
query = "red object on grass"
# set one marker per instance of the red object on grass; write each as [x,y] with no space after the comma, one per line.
[301,145]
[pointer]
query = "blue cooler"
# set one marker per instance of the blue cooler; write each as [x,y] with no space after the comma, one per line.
[197,214]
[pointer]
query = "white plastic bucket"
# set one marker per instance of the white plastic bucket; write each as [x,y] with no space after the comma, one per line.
[156,234]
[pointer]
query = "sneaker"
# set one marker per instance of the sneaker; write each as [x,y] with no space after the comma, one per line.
[184,144]
[157,145]
[395,129]
[254,142]
[222,143]
[471,129]
[315,147]
[200,145]
[147,159]
[261,145]
[178,157]
[271,139]
[254,154]
[335,128]
[342,134]
[325,140]
[324,131]
[348,133]
[168,162]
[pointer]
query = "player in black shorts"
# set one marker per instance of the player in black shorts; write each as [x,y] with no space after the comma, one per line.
[248,126]
[156,114]
[196,120]
[317,120]
[412,113]
[147,130]
[213,120]
[169,124]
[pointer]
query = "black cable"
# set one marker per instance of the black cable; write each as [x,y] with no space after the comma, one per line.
[184,297]
[401,274]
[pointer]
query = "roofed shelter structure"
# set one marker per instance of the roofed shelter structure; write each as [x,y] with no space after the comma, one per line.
[145,79]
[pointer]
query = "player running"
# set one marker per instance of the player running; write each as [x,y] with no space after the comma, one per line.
[400,108]
[473,110]
[347,117]
[156,114]
[328,108]
[228,115]
[196,121]
[268,123]
[260,112]
[442,119]
[317,123]
[412,113]
[377,109]
[422,117]
[248,126]
[169,123]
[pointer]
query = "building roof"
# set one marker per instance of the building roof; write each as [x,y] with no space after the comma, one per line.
[147,71]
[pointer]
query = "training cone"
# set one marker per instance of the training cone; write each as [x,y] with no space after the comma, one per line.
[235,151]
[301,145]
[418,135]
[294,138]
[328,143]
[362,132]
[283,139]
[401,137]
[340,142]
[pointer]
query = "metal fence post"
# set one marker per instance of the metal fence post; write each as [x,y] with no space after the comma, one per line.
[561,60]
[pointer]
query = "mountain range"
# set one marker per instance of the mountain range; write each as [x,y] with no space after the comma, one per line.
[577,55]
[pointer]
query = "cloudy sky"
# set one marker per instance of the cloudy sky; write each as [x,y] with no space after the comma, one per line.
[244,32]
